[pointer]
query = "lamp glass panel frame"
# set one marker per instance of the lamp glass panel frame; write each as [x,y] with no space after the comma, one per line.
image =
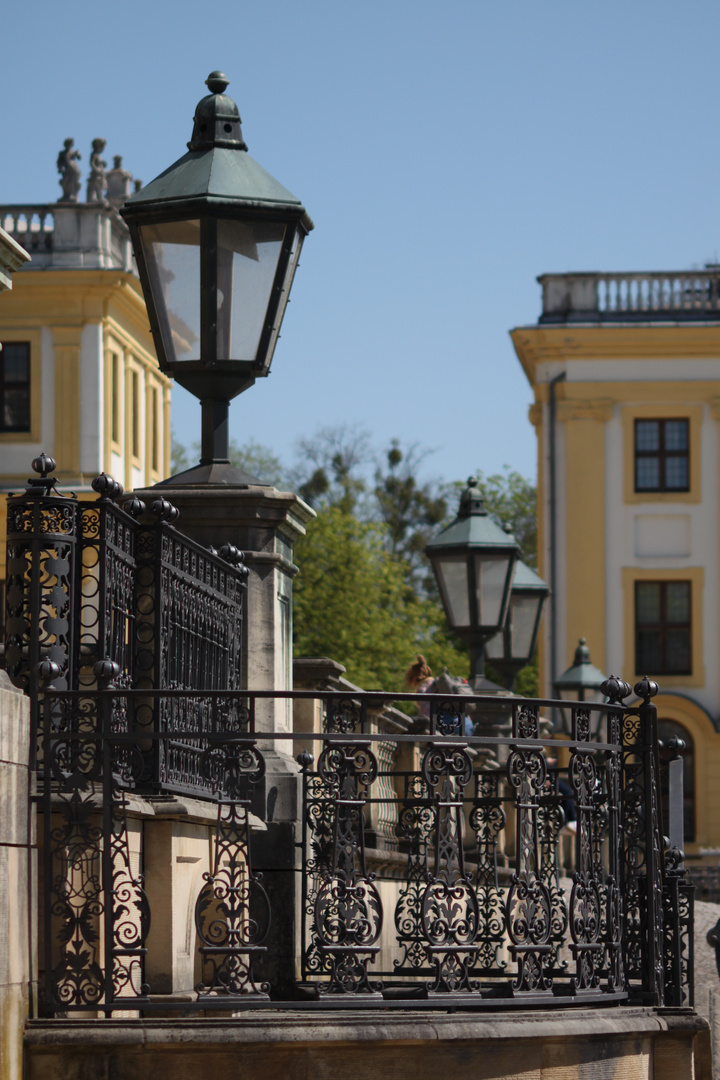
[452,574]
[172,255]
[475,588]
[194,265]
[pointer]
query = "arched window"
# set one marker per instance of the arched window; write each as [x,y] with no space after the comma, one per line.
[670,729]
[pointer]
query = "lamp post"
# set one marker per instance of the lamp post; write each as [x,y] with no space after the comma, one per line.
[514,647]
[217,242]
[582,681]
[474,561]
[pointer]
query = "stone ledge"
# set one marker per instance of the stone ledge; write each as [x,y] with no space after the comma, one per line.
[376,1026]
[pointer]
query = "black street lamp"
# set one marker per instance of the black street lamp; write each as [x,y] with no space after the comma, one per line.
[514,647]
[474,561]
[582,681]
[217,242]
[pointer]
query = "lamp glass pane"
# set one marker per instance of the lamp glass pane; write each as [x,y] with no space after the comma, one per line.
[248,254]
[523,613]
[491,576]
[495,647]
[454,586]
[172,255]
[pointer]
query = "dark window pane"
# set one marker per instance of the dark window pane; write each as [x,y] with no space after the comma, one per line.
[647,435]
[676,434]
[16,410]
[15,386]
[677,601]
[676,473]
[648,602]
[677,652]
[647,474]
[649,652]
[16,361]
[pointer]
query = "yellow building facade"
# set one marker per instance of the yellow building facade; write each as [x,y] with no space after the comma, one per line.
[79,378]
[626,376]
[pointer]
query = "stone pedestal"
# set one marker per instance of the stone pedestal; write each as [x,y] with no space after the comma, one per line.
[264,523]
[219,505]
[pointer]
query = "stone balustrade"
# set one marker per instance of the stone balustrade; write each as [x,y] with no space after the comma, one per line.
[655,296]
[89,236]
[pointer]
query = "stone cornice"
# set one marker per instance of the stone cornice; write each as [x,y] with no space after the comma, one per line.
[631,341]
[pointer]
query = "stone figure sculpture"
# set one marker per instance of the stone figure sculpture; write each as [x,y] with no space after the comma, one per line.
[96,180]
[67,166]
[118,183]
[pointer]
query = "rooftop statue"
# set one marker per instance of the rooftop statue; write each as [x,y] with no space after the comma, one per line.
[118,183]
[67,166]
[96,180]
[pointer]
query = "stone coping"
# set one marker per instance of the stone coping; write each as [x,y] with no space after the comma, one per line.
[345,1026]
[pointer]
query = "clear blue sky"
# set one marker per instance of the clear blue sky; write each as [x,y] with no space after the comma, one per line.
[448,153]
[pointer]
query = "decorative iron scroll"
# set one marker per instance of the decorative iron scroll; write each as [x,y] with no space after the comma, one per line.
[348,910]
[415,829]
[529,907]
[450,915]
[487,819]
[41,607]
[608,857]
[318,833]
[96,913]
[678,955]
[108,570]
[585,898]
[456,936]
[232,912]
[643,850]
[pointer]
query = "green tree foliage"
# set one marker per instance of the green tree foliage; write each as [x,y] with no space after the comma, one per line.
[365,594]
[410,509]
[353,603]
[329,468]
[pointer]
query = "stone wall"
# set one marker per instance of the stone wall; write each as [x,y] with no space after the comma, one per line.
[18,879]
[579,1044]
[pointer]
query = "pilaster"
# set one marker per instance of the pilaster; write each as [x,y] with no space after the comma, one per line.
[68,395]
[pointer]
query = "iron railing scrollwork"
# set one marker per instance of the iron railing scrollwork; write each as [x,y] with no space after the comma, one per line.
[459,911]
[348,909]
[232,912]
[92,581]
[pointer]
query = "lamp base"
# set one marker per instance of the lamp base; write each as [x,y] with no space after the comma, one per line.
[215,472]
[481,685]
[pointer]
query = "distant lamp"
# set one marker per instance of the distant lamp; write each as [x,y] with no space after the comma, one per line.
[474,560]
[582,681]
[514,647]
[217,242]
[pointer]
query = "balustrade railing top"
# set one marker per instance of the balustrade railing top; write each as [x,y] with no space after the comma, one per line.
[87,235]
[669,296]
[434,867]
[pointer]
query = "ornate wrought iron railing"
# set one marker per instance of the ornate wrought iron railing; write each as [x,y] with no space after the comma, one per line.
[97,580]
[471,891]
